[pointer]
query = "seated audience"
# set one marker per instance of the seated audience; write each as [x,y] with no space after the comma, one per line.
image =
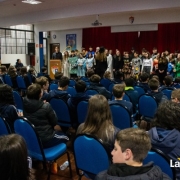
[95,84]
[144,78]
[119,77]
[45,73]
[130,149]
[90,72]
[32,73]
[13,157]
[19,64]
[57,77]
[44,83]
[43,117]
[168,83]
[7,105]
[23,72]
[175,96]
[165,134]
[107,75]
[158,95]
[99,121]
[13,74]
[118,92]
[73,101]
[61,92]
[133,94]
[3,72]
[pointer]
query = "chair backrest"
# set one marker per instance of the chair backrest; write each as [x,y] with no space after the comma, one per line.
[71,91]
[147,105]
[8,81]
[27,130]
[84,78]
[82,109]
[4,127]
[18,100]
[110,88]
[29,77]
[126,97]
[20,82]
[161,160]
[140,90]
[167,92]
[121,116]
[62,111]
[105,82]
[177,86]
[90,154]
[53,86]
[39,74]
[72,82]
[91,92]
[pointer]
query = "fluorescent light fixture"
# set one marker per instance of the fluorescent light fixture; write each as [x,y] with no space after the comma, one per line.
[32,2]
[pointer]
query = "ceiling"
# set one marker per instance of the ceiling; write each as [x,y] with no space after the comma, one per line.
[14,12]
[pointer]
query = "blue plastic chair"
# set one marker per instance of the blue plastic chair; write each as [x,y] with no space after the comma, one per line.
[161,160]
[18,100]
[4,127]
[147,106]
[71,91]
[53,86]
[110,88]
[20,82]
[105,82]
[167,92]
[125,97]
[177,86]
[91,92]
[29,77]
[62,112]
[72,82]
[84,79]
[39,74]
[140,90]
[90,155]
[121,116]
[7,80]
[82,109]
[35,149]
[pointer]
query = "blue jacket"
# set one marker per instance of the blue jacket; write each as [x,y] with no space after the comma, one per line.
[168,141]
[145,86]
[159,96]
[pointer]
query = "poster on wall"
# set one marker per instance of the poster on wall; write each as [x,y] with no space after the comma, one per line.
[70,41]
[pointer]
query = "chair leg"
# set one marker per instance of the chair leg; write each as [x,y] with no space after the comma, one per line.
[49,172]
[70,170]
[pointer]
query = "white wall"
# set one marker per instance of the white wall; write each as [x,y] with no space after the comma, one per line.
[11,58]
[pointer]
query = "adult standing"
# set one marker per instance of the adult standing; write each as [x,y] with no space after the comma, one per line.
[57,54]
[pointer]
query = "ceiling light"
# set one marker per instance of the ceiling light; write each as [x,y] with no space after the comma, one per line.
[31,1]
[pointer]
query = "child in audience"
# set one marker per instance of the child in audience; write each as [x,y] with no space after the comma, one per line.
[44,83]
[118,92]
[45,73]
[165,134]
[43,117]
[12,73]
[13,157]
[95,84]
[73,101]
[23,72]
[61,92]
[144,78]
[99,121]
[32,73]
[3,71]
[119,77]
[133,94]
[175,96]
[130,149]
[168,83]
[158,95]
[57,77]
[7,105]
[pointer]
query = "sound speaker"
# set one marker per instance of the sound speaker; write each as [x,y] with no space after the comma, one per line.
[31,49]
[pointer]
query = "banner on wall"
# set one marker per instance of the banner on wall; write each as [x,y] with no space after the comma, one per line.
[71,41]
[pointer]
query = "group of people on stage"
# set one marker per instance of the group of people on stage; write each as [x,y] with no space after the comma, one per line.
[76,63]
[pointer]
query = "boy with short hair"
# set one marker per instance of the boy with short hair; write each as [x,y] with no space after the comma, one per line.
[45,73]
[130,149]
[118,92]
[175,96]
[144,78]
[168,83]
[158,95]
[57,77]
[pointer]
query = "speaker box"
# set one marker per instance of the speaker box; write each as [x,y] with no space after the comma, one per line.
[31,49]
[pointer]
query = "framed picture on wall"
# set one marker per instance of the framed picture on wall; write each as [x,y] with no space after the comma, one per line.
[70,41]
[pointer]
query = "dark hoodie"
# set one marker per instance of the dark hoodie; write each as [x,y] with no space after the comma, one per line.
[159,96]
[168,141]
[125,172]
[42,116]
[56,93]
[9,112]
